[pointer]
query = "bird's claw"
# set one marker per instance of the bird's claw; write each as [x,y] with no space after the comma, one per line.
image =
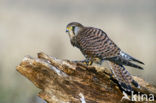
[86,62]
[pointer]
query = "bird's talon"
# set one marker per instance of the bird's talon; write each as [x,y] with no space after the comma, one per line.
[85,62]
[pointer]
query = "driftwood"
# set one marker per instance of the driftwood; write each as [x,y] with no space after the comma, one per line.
[64,81]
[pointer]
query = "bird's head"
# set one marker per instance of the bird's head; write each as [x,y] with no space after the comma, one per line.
[73,29]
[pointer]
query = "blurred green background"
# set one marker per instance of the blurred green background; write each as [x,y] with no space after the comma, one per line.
[31,26]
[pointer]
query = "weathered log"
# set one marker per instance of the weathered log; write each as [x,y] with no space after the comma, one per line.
[64,81]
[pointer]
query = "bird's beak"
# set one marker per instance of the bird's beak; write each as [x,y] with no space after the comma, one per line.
[67,30]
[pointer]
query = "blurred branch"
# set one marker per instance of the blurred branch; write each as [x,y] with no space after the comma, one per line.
[63,81]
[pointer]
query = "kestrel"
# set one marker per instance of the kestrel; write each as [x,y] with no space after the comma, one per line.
[96,46]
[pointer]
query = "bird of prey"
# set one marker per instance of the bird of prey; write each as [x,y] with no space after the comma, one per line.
[96,45]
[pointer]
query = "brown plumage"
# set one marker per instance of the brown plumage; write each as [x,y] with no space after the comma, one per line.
[94,43]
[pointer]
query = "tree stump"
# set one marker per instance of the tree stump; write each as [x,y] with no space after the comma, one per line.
[64,81]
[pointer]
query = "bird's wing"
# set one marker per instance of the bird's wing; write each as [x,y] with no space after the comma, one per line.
[123,77]
[95,42]
[129,58]
[125,59]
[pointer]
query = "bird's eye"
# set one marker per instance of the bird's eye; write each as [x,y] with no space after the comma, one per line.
[73,28]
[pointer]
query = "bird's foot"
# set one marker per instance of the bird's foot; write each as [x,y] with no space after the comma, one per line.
[86,62]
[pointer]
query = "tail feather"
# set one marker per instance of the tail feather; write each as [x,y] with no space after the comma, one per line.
[135,84]
[123,77]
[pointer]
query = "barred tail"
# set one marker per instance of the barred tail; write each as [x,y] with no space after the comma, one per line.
[123,77]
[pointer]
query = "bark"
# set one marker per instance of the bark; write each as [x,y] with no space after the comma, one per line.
[64,81]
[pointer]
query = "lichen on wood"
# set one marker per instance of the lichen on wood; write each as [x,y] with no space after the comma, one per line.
[64,81]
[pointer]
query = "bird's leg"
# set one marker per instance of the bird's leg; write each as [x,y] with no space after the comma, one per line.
[86,61]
